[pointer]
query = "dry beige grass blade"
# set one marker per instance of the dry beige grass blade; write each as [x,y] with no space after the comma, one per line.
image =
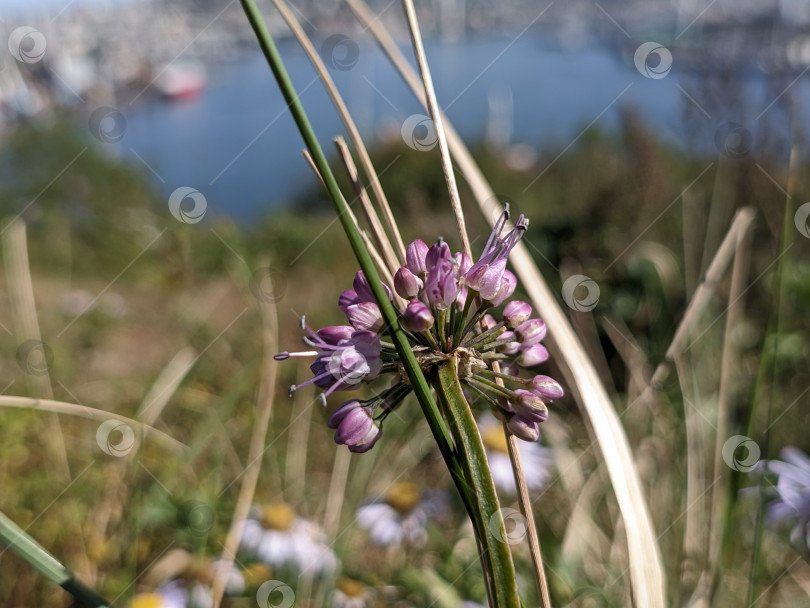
[26,325]
[351,128]
[250,476]
[728,372]
[645,561]
[83,411]
[635,360]
[741,223]
[437,117]
[380,238]
[165,386]
[337,491]
[379,262]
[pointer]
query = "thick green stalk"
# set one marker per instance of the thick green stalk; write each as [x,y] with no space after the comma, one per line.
[495,550]
[46,564]
[417,379]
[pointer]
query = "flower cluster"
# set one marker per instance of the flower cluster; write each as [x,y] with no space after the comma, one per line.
[442,300]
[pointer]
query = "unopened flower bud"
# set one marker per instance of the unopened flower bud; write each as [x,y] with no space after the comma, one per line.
[463,263]
[529,406]
[407,284]
[347,298]
[363,289]
[509,348]
[415,257]
[335,333]
[546,388]
[531,331]
[417,316]
[441,287]
[489,321]
[436,253]
[533,355]
[523,428]
[516,312]
[355,426]
[365,315]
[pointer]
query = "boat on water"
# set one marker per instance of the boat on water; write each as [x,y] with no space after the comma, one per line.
[179,81]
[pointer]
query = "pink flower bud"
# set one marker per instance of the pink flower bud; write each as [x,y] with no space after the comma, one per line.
[546,388]
[438,252]
[417,316]
[533,355]
[529,406]
[407,284]
[363,289]
[531,332]
[516,312]
[523,428]
[415,257]
[463,262]
[347,298]
[441,287]
[510,348]
[335,333]
[365,315]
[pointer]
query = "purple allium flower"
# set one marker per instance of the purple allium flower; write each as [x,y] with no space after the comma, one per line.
[432,281]
[415,257]
[417,316]
[441,285]
[485,275]
[792,503]
[516,312]
[407,284]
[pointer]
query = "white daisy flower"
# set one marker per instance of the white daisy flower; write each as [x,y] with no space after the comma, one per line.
[275,535]
[400,517]
[191,591]
[352,594]
[537,459]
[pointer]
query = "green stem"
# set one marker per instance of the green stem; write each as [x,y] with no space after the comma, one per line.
[494,548]
[16,539]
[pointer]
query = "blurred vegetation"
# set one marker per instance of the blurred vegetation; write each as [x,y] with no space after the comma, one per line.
[615,207]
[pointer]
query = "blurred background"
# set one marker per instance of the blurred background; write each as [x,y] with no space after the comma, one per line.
[154,201]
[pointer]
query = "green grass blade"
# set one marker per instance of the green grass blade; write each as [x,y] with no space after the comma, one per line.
[16,539]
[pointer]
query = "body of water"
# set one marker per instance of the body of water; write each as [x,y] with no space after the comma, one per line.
[238,145]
